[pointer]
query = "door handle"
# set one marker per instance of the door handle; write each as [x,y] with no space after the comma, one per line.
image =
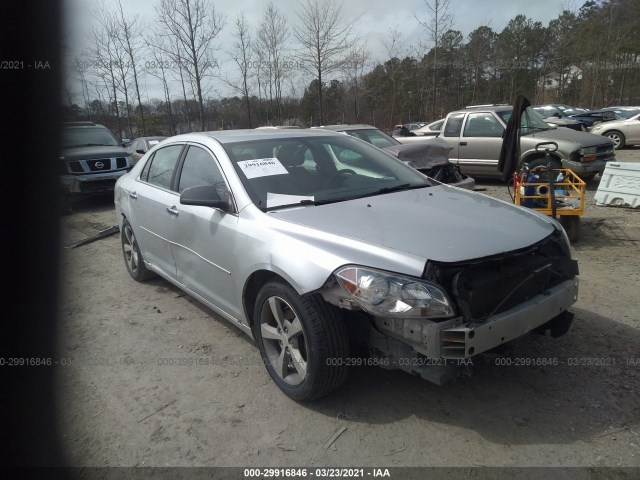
[133,195]
[463,144]
[173,211]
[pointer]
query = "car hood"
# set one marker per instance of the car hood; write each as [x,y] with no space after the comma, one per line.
[429,153]
[88,153]
[583,139]
[435,223]
[613,124]
[561,121]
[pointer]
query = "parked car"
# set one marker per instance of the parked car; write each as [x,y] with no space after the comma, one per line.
[91,159]
[141,145]
[559,115]
[432,129]
[475,135]
[430,158]
[414,125]
[402,131]
[316,259]
[588,119]
[621,132]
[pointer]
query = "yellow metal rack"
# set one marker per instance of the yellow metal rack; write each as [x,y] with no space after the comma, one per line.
[562,197]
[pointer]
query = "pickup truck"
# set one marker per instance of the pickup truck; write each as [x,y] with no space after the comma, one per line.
[475,135]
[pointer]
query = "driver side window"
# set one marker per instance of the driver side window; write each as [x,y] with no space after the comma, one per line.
[200,168]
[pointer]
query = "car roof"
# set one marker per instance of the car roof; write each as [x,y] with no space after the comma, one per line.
[82,125]
[346,127]
[488,108]
[232,136]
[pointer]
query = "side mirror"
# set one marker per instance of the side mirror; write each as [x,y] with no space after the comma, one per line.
[140,151]
[206,196]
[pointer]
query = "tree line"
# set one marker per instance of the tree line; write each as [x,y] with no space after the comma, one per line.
[312,67]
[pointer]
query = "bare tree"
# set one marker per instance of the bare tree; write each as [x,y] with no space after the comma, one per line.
[241,55]
[325,39]
[272,37]
[439,21]
[103,60]
[194,24]
[160,70]
[356,62]
[128,38]
[394,45]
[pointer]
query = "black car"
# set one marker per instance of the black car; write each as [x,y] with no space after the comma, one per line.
[91,159]
[588,119]
[559,115]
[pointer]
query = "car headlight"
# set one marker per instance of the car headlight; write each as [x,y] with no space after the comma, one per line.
[588,154]
[384,294]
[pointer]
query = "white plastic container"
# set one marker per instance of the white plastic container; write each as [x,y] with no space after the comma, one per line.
[620,185]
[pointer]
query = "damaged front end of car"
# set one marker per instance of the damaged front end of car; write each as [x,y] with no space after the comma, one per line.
[432,326]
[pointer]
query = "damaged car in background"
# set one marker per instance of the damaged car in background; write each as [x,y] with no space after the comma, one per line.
[328,263]
[429,156]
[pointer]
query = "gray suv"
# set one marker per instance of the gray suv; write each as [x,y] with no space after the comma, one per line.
[475,134]
[91,159]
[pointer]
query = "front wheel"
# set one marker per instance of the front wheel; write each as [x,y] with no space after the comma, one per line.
[617,138]
[302,340]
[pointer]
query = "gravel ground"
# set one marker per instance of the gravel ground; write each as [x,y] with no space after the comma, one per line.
[154,378]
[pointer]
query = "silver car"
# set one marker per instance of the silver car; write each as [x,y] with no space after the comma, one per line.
[621,132]
[329,263]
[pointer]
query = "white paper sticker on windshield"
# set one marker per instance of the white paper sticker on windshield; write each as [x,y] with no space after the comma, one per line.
[277,199]
[262,167]
[154,142]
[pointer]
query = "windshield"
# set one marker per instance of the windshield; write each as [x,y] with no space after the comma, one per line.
[314,170]
[91,136]
[530,121]
[374,137]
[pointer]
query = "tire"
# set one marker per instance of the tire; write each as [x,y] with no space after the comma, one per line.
[617,138]
[543,162]
[303,341]
[571,225]
[132,256]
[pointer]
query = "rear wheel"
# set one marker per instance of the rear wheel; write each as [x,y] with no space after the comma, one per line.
[617,138]
[132,256]
[303,341]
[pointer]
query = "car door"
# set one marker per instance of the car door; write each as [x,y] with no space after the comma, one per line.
[480,144]
[451,134]
[632,131]
[203,238]
[149,212]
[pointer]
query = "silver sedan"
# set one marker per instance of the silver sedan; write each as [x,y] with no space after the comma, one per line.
[330,253]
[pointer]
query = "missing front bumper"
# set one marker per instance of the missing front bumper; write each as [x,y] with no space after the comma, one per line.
[464,341]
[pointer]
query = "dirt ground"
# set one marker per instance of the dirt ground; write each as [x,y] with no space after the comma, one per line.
[148,376]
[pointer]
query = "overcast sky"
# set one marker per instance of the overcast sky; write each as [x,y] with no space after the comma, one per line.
[377,18]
